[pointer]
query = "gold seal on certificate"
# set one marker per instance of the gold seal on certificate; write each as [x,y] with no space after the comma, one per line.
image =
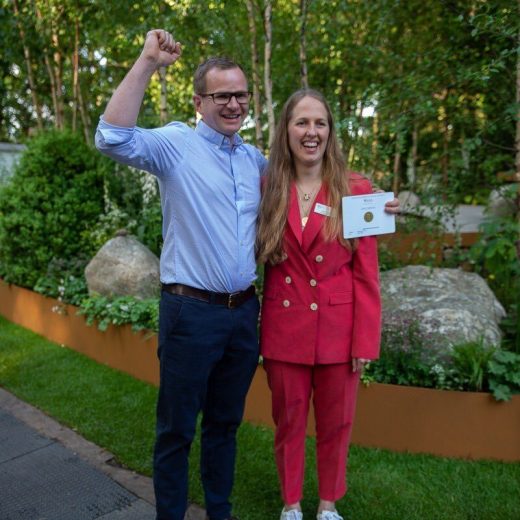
[365,215]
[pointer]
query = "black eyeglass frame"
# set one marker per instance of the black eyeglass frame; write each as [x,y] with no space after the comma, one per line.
[229,95]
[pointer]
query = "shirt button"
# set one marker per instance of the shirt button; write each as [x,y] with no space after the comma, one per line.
[286,303]
[319,258]
[313,282]
[314,306]
[288,279]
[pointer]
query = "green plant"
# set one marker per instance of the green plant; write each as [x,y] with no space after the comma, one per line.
[141,314]
[408,357]
[131,201]
[495,256]
[504,374]
[64,280]
[54,195]
[469,366]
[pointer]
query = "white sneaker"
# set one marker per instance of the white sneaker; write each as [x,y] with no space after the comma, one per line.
[329,515]
[292,514]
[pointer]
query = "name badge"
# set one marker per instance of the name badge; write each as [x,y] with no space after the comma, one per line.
[322,209]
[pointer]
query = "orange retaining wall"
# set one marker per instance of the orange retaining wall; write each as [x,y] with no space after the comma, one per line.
[399,418]
[117,347]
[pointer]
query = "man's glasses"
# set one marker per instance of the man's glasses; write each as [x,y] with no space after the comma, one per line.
[223,98]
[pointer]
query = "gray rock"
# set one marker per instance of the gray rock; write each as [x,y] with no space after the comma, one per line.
[408,200]
[124,267]
[453,305]
[501,201]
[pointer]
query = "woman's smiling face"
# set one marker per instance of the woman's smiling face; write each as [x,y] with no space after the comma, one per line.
[308,132]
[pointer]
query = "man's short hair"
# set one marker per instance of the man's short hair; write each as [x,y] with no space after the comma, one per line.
[222,63]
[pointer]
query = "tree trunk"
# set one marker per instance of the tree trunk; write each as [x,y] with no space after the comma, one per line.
[75,74]
[375,143]
[58,74]
[517,140]
[396,183]
[354,138]
[257,107]
[30,77]
[412,174]
[445,156]
[85,118]
[163,106]
[303,52]
[268,85]
[445,130]
[55,84]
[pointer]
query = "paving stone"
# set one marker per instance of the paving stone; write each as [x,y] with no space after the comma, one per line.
[42,480]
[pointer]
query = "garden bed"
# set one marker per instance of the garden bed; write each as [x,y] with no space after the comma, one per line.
[418,420]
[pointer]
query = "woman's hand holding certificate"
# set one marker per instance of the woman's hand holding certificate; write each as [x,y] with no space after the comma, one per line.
[365,215]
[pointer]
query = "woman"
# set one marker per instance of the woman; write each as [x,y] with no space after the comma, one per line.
[321,309]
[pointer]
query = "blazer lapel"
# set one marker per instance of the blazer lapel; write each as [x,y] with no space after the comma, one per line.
[293,217]
[316,220]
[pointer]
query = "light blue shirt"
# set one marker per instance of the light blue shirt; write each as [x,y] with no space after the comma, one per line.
[210,192]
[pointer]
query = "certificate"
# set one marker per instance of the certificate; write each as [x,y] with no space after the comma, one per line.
[365,215]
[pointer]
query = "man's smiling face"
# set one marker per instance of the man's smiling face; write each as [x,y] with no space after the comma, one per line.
[226,119]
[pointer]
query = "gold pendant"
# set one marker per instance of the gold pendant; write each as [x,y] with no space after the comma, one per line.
[304,221]
[306,196]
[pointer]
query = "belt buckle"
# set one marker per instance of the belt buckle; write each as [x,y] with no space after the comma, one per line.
[231,304]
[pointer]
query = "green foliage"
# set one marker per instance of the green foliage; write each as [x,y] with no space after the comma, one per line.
[64,280]
[469,366]
[407,357]
[54,195]
[495,257]
[148,229]
[131,202]
[504,374]
[427,83]
[141,314]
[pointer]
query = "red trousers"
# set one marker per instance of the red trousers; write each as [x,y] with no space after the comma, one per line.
[334,390]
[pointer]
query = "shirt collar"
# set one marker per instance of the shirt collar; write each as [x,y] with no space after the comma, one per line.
[216,137]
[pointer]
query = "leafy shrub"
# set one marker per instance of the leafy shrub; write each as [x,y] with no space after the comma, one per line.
[131,201]
[408,357]
[495,257]
[64,280]
[469,366]
[142,314]
[504,374]
[55,194]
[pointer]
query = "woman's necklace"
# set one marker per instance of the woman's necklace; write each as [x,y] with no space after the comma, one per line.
[305,201]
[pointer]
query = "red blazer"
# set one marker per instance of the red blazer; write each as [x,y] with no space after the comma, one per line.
[322,304]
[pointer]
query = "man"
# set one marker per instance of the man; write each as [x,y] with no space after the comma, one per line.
[209,182]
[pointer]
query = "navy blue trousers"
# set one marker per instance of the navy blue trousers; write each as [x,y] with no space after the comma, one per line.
[208,355]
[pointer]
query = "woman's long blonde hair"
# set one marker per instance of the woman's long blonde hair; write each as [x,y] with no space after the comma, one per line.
[281,171]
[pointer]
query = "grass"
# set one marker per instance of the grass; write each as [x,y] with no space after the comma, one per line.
[117,412]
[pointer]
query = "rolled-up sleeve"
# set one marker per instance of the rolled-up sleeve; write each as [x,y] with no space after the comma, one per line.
[156,150]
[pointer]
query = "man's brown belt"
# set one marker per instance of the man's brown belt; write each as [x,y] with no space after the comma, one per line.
[230,300]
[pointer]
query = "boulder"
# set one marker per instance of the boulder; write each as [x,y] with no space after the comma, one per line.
[409,201]
[124,267]
[501,201]
[451,305]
